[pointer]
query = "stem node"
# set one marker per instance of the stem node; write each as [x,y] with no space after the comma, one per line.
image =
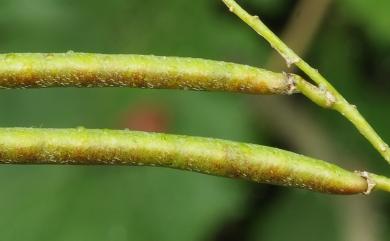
[370,182]
[291,82]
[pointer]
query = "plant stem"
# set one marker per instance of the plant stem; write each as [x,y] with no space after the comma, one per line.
[381,182]
[211,156]
[335,100]
[99,70]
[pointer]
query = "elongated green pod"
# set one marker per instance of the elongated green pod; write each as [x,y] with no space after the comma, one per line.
[211,156]
[102,70]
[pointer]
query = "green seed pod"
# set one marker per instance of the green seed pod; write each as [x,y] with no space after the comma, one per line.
[138,71]
[210,156]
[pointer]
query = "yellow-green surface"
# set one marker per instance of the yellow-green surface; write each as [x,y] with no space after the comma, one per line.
[140,71]
[205,155]
[151,203]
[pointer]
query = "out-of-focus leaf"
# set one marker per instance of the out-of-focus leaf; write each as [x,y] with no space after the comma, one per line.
[303,214]
[372,15]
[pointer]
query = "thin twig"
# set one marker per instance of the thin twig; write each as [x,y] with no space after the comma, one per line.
[301,27]
[211,156]
[335,100]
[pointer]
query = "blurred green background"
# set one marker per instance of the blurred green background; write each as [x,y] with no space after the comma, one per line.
[351,47]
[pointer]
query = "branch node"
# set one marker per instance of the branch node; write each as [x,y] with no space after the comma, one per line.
[384,147]
[329,97]
[290,60]
[370,182]
[291,83]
